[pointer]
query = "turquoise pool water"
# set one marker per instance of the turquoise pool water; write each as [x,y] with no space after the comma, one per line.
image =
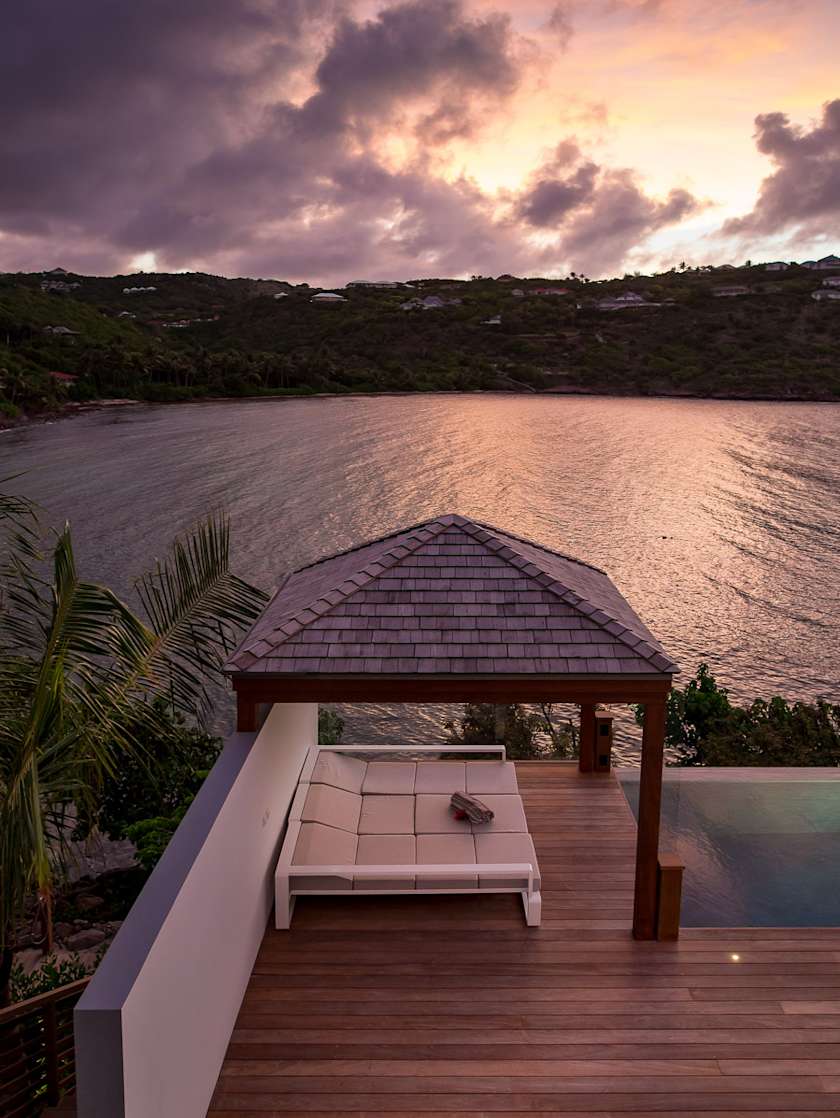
[761,847]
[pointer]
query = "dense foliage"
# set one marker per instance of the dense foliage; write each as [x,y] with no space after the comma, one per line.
[198,335]
[51,974]
[526,734]
[703,727]
[330,726]
[164,771]
[79,673]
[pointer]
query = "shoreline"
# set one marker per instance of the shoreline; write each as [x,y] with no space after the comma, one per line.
[71,409]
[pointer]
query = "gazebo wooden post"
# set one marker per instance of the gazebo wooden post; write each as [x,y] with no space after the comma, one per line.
[246,714]
[645,900]
[586,756]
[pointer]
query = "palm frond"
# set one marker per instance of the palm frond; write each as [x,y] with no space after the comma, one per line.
[196,609]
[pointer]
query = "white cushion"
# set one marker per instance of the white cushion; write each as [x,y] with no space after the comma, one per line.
[491,778]
[434,816]
[385,850]
[318,845]
[339,771]
[444,850]
[500,847]
[389,778]
[333,807]
[387,815]
[508,815]
[440,777]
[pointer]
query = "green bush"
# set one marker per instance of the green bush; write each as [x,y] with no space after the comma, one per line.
[159,779]
[330,727]
[704,728]
[50,975]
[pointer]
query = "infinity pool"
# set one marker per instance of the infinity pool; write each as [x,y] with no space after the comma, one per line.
[761,847]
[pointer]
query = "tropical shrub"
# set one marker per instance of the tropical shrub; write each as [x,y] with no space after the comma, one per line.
[703,727]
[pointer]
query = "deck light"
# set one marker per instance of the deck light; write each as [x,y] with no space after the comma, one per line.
[735,958]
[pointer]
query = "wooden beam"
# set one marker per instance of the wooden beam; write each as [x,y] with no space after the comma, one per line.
[650,804]
[586,759]
[373,688]
[669,897]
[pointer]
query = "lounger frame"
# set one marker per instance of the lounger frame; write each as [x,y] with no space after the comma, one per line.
[285,893]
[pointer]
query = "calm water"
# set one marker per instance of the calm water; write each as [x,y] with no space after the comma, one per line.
[719,520]
[759,851]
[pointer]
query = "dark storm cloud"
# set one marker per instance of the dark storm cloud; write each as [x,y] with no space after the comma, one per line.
[804,190]
[251,137]
[100,98]
[598,213]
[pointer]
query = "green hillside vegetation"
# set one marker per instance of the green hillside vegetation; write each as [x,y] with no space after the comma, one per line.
[198,335]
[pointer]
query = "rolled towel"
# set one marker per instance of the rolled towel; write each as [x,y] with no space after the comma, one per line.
[469,806]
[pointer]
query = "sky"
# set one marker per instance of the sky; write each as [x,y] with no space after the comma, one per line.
[331,140]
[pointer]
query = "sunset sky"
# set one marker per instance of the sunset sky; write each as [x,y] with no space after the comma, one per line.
[328,140]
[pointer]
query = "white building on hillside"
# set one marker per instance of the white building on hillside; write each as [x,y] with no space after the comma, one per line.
[623,301]
[831,281]
[827,262]
[730,291]
[328,297]
[776,266]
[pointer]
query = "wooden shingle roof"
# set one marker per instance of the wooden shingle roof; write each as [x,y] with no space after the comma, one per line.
[450,596]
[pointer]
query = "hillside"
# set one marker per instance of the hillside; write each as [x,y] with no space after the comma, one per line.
[190,335]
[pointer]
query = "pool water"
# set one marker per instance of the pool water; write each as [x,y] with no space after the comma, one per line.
[761,847]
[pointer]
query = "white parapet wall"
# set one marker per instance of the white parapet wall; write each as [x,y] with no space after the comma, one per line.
[154,1023]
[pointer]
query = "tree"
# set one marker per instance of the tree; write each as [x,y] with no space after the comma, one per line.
[702,727]
[79,672]
[513,725]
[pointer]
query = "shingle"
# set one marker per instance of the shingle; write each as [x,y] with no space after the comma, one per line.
[440,589]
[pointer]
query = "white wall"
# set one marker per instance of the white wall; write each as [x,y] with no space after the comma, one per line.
[165,998]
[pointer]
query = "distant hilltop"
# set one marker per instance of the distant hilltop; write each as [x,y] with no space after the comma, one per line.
[769,330]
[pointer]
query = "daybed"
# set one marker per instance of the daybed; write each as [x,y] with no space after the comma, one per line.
[386,826]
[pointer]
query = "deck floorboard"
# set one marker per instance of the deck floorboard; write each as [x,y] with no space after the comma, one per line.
[449,1006]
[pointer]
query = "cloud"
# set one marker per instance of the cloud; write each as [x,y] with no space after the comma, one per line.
[289,138]
[597,214]
[804,189]
[559,24]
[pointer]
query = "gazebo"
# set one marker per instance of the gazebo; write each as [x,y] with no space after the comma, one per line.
[453,610]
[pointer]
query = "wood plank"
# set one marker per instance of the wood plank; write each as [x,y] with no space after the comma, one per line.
[452,1006]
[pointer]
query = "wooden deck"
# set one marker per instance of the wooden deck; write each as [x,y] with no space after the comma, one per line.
[452,1005]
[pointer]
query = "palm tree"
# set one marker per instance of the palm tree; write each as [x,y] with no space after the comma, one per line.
[78,673]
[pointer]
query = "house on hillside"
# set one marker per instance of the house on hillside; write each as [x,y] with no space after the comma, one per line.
[731,291]
[496,320]
[776,266]
[67,379]
[518,293]
[280,295]
[61,331]
[58,287]
[550,291]
[384,284]
[56,272]
[138,290]
[831,281]
[827,262]
[429,303]
[327,297]
[623,301]
[825,295]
